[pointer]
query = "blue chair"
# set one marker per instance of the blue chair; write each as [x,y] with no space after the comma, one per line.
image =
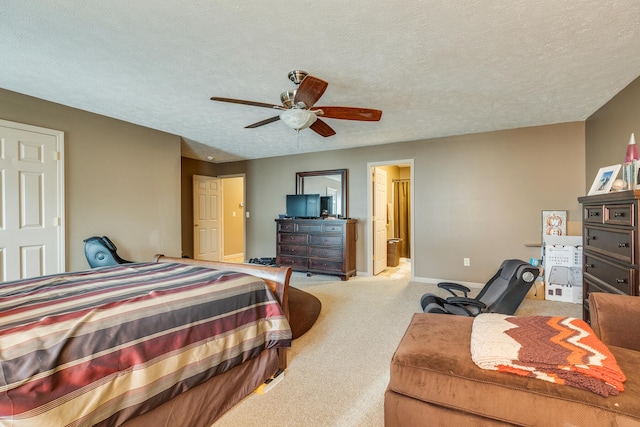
[100,252]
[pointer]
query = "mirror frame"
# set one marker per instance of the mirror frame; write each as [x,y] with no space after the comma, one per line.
[344,178]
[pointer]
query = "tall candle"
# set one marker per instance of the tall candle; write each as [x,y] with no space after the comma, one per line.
[632,149]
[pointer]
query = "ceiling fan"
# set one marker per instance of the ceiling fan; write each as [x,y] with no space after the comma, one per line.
[298,111]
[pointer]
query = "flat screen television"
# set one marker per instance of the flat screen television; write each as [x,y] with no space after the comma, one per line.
[303,205]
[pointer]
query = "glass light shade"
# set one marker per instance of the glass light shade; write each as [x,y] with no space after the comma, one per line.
[297,118]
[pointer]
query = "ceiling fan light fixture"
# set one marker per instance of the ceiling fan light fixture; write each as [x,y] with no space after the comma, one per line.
[298,119]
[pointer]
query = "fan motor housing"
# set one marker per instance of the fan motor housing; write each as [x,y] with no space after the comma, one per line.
[287,98]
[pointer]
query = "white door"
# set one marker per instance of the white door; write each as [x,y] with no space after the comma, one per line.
[31,201]
[207,240]
[379,220]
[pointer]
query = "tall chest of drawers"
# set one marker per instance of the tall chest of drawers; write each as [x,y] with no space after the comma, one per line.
[323,246]
[610,244]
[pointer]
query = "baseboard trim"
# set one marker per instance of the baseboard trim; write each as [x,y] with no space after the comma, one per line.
[433,281]
[233,256]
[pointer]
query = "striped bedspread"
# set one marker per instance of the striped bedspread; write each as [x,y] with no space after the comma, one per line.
[101,346]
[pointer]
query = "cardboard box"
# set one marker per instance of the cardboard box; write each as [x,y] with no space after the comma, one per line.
[565,284]
[536,291]
[563,273]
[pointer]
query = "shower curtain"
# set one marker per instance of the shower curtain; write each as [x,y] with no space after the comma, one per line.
[401,213]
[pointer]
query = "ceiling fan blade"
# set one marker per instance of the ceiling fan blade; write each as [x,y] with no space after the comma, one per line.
[310,90]
[349,113]
[263,122]
[322,129]
[241,101]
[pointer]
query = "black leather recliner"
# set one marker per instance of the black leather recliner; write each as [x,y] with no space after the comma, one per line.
[100,252]
[502,294]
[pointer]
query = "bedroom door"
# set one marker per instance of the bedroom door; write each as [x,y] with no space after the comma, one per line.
[379,220]
[31,201]
[207,209]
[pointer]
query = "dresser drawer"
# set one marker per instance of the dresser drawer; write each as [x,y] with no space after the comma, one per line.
[613,275]
[619,214]
[318,264]
[293,239]
[325,252]
[287,226]
[593,286]
[618,244]
[589,287]
[296,263]
[309,227]
[593,214]
[333,228]
[291,250]
[322,240]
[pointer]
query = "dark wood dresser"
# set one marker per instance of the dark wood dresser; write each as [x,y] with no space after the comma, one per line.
[610,244]
[323,246]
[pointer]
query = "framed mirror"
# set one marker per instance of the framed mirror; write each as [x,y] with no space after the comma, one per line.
[332,186]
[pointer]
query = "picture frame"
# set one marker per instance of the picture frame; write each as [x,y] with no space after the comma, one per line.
[604,179]
[554,223]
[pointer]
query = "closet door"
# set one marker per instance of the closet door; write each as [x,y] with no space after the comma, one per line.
[31,201]
[207,227]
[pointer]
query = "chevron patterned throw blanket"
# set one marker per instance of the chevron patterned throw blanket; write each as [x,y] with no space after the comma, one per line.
[561,350]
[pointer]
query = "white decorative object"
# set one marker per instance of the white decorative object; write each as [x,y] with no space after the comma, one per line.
[554,223]
[619,185]
[604,179]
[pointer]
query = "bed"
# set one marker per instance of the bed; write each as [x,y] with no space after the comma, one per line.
[164,343]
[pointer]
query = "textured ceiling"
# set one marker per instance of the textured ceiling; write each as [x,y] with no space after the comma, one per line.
[435,68]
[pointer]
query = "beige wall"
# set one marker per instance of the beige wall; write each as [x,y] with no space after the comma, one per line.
[608,131]
[476,196]
[121,180]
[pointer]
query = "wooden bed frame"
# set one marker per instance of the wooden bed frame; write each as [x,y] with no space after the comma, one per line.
[204,404]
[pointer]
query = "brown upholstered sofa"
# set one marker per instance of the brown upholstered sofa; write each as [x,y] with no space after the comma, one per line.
[434,382]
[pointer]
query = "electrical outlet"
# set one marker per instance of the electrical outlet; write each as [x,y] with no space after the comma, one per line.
[466,262]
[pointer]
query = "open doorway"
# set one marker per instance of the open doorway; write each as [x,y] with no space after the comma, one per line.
[390,229]
[219,218]
[233,217]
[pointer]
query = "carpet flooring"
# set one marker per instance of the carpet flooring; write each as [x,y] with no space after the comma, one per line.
[339,369]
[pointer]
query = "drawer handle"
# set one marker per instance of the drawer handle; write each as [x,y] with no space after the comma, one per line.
[293,238]
[618,214]
[621,280]
[589,266]
[592,238]
[594,213]
[623,245]
[292,250]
